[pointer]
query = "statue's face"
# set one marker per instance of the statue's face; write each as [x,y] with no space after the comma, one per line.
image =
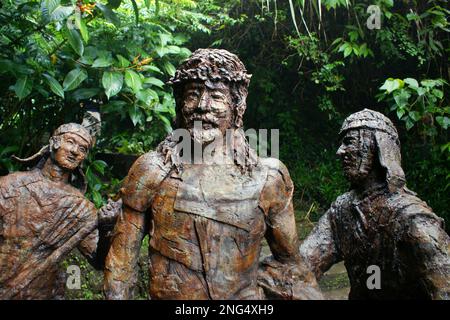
[71,152]
[209,103]
[357,153]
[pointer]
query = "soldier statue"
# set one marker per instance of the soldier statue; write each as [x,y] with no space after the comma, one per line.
[392,244]
[43,217]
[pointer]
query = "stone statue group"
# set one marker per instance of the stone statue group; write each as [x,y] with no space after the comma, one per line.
[206,222]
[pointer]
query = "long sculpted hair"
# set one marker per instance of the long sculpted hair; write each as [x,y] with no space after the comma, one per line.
[214,65]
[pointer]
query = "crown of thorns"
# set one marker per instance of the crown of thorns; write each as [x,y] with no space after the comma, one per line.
[211,64]
[369,119]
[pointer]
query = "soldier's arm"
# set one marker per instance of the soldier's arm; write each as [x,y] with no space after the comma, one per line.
[285,275]
[428,246]
[319,249]
[95,247]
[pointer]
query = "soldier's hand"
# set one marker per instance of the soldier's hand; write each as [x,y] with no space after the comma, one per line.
[107,215]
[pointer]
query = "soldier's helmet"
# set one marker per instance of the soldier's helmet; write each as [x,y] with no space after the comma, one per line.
[74,128]
[371,120]
[387,143]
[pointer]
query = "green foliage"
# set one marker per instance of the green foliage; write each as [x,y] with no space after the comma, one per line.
[5,159]
[92,172]
[418,104]
[313,63]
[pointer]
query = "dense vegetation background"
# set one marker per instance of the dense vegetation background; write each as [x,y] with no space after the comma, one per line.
[313,63]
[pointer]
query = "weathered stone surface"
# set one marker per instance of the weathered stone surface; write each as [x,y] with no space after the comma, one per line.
[206,221]
[43,217]
[380,222]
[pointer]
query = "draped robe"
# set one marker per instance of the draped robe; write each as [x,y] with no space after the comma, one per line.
[41,221]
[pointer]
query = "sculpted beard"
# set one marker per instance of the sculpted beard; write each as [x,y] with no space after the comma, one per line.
[204,129]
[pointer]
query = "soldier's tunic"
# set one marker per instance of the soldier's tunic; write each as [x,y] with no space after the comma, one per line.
[397,232]
[40,222]
[206,227]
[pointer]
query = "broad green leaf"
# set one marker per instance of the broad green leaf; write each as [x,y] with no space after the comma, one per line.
[133,80]
[165,38]
[409,124]
[52,10]
[412,16]
[8,149]
[112,82]
[392,85]
[91,52]
[444,122]
[421,91]
[108,14]
[173,49]
[86,60]
[136,10]
[102,62]
[414,115]
[154,81]
[54,85]
[438,93]
[81,25]
[169,68]
[363,50]
[343,46]
[99,166]
[75,41]
[114,4]
[389,3]
[401,97]
[400,112]
[147,96]
[85,93]
[61,12]
[184,53]
[152,68]
[135,114]
[50,5]
[166,122]
[354,35]
[347,51]
[335,42]
[412,83]
[430,83]
[74,78]
[97,197]
[161,108]
[124,63]
[161,51]
[23,87]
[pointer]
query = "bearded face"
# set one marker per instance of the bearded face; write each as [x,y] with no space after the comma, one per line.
[210,104]
[357,153]
[70,150]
